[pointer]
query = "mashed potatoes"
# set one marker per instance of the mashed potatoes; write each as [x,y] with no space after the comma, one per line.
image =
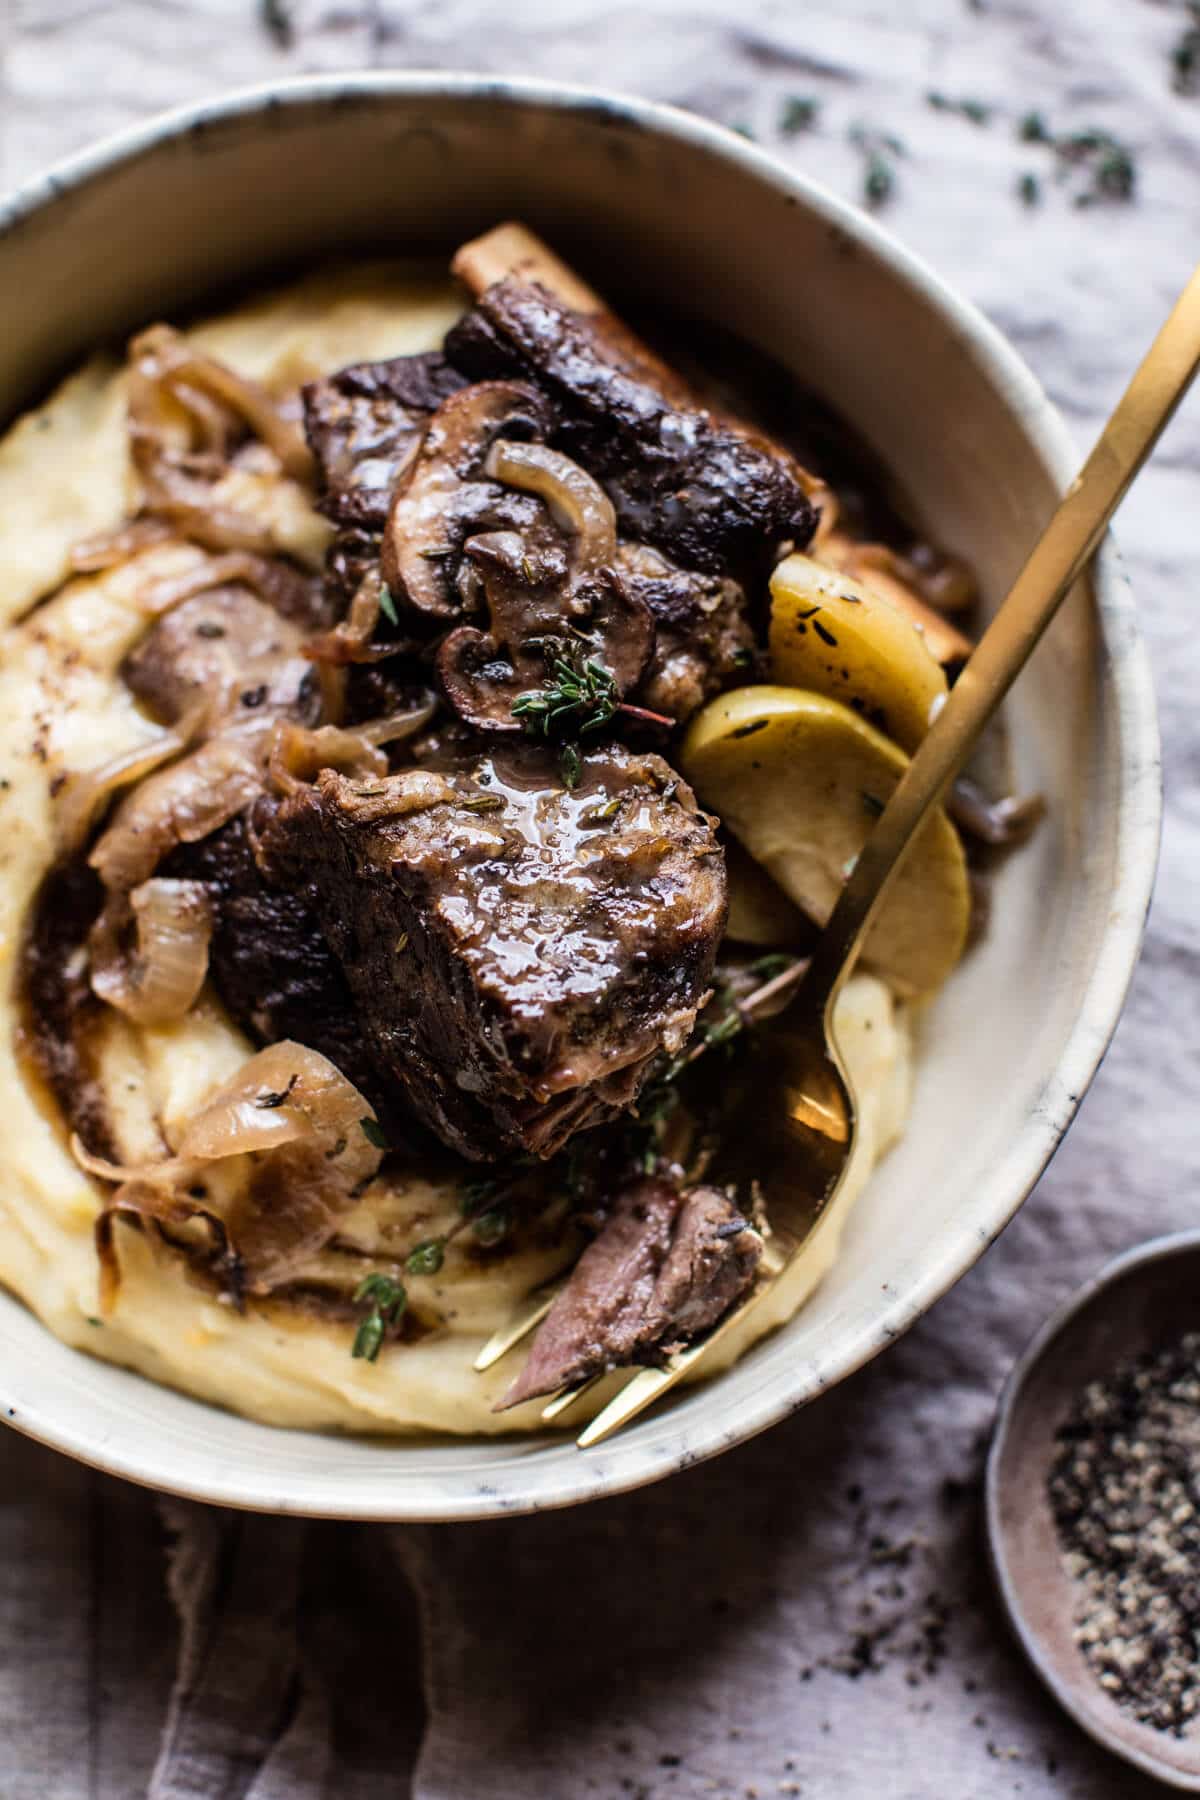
[64,474]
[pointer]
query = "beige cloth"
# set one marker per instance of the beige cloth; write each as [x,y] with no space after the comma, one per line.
[811,1614]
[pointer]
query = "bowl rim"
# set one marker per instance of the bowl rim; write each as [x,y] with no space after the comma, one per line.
[1140,1256]
[593,1474]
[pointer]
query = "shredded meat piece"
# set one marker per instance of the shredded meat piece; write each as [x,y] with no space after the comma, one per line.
[703,639]
[664,1268]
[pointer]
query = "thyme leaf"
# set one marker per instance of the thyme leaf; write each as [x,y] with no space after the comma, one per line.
[569,766]
[387,606]
[427,1257]
[277,22]
[386,1299]
[975,110]
[1185,57]
[798,113]
[879,151]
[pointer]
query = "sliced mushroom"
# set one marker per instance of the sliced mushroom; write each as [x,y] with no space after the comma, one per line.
[447,497]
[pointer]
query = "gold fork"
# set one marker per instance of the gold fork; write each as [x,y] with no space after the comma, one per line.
[806,1113]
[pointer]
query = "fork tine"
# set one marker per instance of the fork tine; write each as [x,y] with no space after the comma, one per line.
[650,1384]
[525,1317]
[567,1397]
[635,1396]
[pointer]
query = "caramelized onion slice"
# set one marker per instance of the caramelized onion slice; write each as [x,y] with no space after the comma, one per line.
[298,755]
[577,502]
[397,727]
[180,805]
[302,1125]
[80,803]
[272,580]
[176,493]
[351,641]
[106,549]
[161,978]
[192,376]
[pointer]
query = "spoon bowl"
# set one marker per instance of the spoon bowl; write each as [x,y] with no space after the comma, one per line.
[1143,1301]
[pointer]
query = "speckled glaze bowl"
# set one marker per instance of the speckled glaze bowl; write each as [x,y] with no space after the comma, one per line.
[649,202]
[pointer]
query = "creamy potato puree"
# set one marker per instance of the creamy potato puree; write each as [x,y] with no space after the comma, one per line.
[64,474]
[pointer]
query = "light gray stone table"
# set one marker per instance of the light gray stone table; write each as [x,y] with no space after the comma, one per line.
[809,1615]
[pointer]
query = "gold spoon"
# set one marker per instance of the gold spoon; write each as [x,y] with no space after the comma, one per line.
[806,1113]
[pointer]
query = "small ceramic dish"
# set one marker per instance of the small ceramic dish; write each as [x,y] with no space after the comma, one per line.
[653,205]
[1141,1302]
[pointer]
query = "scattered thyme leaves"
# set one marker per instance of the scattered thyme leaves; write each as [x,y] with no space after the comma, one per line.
[1185,57]
[372,1130]
[569,766]
[1109,163]
[745,130]
[1029,189]
[743,657]
[481,803]
[386,1300]
[581,697]
[879,151]
[798,113]
[387,606]
[278,22]
[427,1257]
[1106,165]
[975,110]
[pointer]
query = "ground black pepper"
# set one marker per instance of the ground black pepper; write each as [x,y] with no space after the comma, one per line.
[1124,1488]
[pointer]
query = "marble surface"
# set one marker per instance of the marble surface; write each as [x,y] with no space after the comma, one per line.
[810,1615]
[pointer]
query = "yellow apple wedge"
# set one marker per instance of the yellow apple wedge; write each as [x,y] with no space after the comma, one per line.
[799,779]
[834,636]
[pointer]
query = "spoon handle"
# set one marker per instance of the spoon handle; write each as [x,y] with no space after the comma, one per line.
[1055,563]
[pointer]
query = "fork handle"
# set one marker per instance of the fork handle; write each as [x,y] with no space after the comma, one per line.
[1054,565]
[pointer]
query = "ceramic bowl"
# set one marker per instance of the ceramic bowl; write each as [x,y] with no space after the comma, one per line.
[1140,1303]
[186,207]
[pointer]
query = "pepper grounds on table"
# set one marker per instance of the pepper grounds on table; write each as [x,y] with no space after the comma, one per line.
[1125,1492]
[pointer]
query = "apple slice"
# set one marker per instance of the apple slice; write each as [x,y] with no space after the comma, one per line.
[834,636]
[799,780]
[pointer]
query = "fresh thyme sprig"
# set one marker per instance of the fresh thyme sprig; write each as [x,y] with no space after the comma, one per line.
[580,698]
[387,1300]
